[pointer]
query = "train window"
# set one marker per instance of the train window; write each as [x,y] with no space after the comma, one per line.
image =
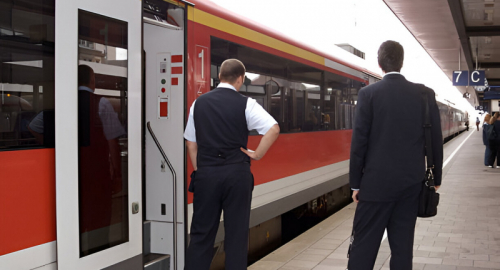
[298,96]
[102,132]
[26,74]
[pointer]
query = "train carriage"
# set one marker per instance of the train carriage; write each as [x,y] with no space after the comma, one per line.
[93,167]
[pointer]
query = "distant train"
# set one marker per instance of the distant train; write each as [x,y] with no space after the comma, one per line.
[453,120]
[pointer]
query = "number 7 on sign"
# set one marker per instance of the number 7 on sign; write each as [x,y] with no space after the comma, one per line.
[460,77]
[456,72]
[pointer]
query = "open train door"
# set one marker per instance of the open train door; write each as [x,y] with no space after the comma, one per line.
[98,134]
[164,30]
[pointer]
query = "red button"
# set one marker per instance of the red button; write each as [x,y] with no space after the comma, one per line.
[163,90]
[163,109]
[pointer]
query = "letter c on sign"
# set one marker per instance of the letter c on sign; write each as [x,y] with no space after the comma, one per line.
[472,76]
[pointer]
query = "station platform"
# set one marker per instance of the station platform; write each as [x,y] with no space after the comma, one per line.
[465,234]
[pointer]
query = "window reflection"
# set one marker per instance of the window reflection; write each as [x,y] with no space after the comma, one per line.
[26,74]
[102,132]
[301,98]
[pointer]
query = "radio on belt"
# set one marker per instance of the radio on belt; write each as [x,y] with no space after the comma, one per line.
[163,83]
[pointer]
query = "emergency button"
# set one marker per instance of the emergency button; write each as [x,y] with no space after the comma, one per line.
[163,107]
[163,90]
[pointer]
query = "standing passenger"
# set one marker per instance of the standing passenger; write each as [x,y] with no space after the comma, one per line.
[217,136]
[387,165]
[477,123]
[486,141]
[495,141]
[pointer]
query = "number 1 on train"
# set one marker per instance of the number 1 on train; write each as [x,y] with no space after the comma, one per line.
[202,56]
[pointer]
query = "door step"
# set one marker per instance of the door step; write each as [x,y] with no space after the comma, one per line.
[154,261]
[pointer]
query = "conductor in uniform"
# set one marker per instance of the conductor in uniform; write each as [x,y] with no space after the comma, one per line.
[217,134]
[387,164]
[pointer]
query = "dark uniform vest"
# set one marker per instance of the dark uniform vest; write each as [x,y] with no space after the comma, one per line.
[221,128]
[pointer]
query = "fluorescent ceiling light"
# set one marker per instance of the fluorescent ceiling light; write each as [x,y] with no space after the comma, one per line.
[36,63]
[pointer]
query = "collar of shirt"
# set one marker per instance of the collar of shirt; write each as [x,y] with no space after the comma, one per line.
[392,72]
[226,85]
[85,88]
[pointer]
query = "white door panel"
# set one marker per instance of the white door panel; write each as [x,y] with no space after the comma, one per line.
[161,43]
[96,54]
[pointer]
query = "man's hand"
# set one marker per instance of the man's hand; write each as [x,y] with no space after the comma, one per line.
[437,187]
[355,195]
[252,154]
[265,143]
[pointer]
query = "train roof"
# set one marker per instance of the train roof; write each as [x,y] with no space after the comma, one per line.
[341,57]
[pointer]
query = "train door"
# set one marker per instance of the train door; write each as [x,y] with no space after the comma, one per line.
[164,62]
[98,134]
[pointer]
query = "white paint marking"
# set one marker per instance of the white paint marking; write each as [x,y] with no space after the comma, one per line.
[456,150]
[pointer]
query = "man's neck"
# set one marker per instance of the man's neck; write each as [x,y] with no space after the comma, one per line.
[392,72]
[227,85]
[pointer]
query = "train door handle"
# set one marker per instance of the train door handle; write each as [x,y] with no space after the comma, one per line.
[135,208]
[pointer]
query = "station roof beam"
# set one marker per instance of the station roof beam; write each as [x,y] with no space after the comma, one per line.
[457,34]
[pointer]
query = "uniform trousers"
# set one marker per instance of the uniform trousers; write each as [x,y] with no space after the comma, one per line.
[218,188]
[370,221]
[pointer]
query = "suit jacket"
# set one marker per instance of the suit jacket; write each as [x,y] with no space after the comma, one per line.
[388,145]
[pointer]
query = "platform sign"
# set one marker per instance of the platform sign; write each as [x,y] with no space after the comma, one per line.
[460,77]
[464,78]
[477,77]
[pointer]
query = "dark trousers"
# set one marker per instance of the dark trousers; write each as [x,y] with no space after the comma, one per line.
[371,220]
[494,153]
[218,188]
[487,153]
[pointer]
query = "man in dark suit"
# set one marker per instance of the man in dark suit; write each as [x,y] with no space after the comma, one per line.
[387,164]
[217,136]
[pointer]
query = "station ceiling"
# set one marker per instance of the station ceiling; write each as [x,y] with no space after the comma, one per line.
[457,34]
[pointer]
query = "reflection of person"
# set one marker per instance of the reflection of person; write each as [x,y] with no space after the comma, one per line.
[387,165]
[100,162]
[486,141]
[311,122]
[327,121]
[495,141]
[42,128]
[36,127]
[217,135]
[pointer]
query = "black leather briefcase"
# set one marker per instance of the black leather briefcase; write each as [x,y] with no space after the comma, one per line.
[429,198]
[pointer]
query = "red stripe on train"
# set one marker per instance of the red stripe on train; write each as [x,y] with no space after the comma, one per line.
[296,153]
[27,198]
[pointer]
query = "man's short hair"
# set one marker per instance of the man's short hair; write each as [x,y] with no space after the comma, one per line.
[85,73]
[231,70]
[390,56]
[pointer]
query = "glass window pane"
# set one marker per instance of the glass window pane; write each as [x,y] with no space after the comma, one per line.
[102,132]
[26,74]
[312,100]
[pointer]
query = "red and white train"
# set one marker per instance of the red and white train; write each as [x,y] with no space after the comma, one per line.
[99,181]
